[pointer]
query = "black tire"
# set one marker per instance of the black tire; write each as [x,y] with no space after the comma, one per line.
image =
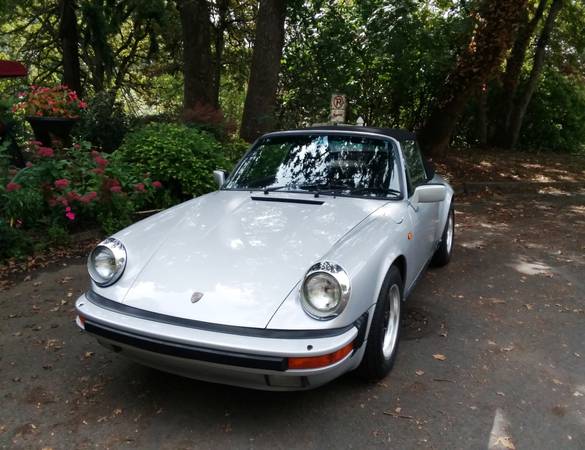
[443,253]
[375,364]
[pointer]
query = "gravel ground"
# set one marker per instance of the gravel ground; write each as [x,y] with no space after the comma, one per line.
[492,356]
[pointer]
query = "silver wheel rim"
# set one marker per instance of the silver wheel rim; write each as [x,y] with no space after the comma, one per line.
[449,237]
[391,319]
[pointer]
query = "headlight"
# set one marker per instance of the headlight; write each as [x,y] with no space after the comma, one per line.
[325,291]
[106,262]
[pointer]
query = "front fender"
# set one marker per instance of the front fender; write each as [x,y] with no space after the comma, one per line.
[366,253]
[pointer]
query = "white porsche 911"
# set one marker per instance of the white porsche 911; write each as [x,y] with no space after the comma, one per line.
[291,274]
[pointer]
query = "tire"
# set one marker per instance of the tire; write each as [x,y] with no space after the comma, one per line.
[380,353]
[443,253]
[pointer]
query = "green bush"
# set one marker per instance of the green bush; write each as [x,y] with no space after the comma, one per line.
[73,188]
[104,123]
[555,119]
[13,242]
[182,157]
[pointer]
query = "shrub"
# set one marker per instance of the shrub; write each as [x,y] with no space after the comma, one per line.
[180,156]
[75,187]
[13,242]
[555,119]
[104,123]
[57,101]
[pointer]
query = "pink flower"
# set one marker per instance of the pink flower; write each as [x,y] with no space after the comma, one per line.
[29,164]
[98,170]
[61,200]
[61,183]
[87,198]
[18,223]
[156,184]
[72,196]
[13,187]
[102,162]
[45,152]
[76,146]
[70,215]
[116,189]
[139,187]
[36,143]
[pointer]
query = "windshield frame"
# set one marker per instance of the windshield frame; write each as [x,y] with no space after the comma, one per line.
[394,147]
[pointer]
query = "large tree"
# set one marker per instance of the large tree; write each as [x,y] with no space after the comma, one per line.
[521,101]
[495,25]
[69,35]
[197,62]
[260,103]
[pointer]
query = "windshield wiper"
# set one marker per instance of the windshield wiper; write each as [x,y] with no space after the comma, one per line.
[275,188]
[386,191]
[324,188]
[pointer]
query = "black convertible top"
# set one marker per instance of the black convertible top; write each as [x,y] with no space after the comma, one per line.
[398,134]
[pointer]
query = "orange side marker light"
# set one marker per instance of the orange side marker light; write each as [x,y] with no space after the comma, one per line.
[314,362]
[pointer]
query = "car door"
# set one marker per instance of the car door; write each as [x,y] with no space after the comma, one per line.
[423,217]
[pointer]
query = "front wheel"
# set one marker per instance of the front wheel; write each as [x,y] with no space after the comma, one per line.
[384,334]
[443,253]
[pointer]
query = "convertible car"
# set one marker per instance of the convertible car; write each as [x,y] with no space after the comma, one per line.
[291,274]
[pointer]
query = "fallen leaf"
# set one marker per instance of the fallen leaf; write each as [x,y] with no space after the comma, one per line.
[506,442]
[419,372]
[439,356]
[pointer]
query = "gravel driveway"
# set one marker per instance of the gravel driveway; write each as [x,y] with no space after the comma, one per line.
[492,356]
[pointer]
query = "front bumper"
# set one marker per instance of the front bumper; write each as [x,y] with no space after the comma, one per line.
[254,358]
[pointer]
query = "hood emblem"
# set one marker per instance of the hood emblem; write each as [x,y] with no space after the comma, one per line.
[196,297]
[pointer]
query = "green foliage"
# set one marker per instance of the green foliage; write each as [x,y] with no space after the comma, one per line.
[104,123]
[556,117]
[72,188]
[389,58]
[182,157]
[13,242]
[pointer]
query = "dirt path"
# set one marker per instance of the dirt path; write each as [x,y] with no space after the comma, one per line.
[508,315]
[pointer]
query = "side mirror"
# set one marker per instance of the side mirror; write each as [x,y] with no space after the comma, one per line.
[430,193]
[219,177]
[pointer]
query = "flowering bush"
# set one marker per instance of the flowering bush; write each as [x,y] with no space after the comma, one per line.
[75,187]
[58,101]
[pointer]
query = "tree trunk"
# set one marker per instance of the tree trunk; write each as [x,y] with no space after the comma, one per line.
[521,105]
[495,26]
[197,67]
[515,62]
[260,101]
[222,13]
[69,36]
[482,115]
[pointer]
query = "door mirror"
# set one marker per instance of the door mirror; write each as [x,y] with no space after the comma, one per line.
[219,177]
[430,193]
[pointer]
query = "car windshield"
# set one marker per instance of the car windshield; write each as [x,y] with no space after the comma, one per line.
[335,164]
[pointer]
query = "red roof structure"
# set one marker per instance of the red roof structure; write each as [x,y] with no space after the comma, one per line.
[12,69]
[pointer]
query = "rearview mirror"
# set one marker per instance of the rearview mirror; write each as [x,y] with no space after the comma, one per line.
[219,177]
[430,193]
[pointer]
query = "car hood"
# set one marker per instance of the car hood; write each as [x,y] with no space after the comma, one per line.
[243,253]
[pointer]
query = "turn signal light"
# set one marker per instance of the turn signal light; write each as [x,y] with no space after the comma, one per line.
[314,362]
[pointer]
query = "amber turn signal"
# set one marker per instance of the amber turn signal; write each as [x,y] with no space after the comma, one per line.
[314,362]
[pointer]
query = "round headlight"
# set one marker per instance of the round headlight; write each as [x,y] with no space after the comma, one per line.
[325,291]
[106,262]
